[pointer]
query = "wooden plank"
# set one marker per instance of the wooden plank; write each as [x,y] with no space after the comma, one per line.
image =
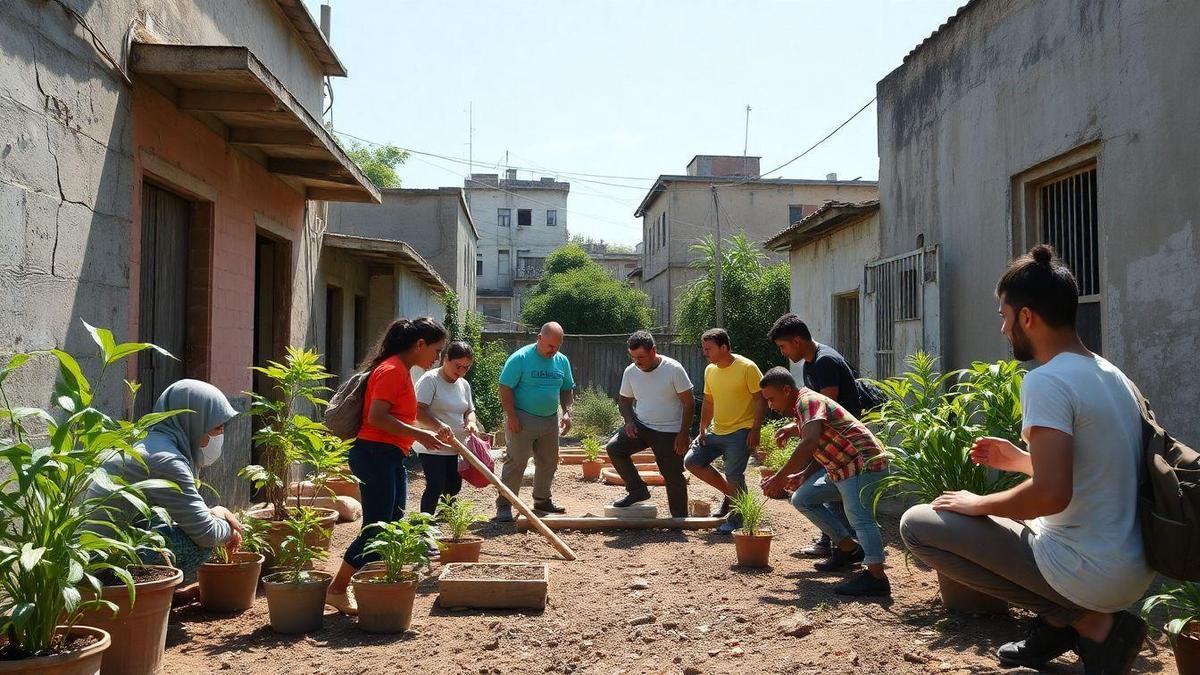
[197,100]
[605,523]
[266,136]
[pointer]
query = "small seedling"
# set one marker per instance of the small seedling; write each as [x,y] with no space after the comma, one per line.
[752,509]
[254,539]
[458,515]
[296,554]
[403,547]
[592,446]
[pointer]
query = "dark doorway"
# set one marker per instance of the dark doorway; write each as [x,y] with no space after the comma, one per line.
[333,330]
[361,339]
[163,297]
[272,305]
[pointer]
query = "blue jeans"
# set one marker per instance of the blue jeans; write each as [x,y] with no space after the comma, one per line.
[730,446]
[384,490]
[441,478]
[857,495]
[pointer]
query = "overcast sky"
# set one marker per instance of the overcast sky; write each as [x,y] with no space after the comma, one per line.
[619,88]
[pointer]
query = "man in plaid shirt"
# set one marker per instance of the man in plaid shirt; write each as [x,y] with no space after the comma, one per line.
[833,439]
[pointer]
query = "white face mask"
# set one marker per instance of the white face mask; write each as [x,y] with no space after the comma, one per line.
[211,452]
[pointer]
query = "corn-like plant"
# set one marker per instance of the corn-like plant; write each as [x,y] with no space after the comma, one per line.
[592,447]
[403,546]
[1182,604]
[56,537]
[752,509]
[458,515]
[297,552]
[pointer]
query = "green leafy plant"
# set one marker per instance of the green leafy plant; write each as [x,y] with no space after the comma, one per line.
[930,420]
[1182,605]
[592,447]
[776,455]
[752,509]
[327,461]
[595,414]
[458,515]
[297,553]
[403,546]
[254,538]
[580,294]
[57,536]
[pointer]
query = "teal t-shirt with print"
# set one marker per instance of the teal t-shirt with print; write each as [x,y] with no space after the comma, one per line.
[536,381]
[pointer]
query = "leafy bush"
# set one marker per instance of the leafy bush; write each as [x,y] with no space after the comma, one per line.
[581,295]
[592,447]
[929,422]
[752,509]
[776,456]
[753,296]
[1182,603]
[458,515]
[403,546]
[595,414]
[296,552]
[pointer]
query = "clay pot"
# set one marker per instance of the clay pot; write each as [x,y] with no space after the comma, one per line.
[383,607]
[278,530]
[230,587]
[138,631]
[960,598]
[591,470]
[1187,650]
[753,550]
[84,661]
[296,608]
[344,487]
[699,508]
[465,549]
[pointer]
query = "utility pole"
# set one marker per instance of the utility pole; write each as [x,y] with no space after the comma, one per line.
[720,310]
[471,137]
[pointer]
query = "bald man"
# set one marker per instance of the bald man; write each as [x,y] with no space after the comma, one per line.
[535,383]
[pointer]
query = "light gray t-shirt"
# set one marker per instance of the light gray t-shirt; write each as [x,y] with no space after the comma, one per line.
[448,403]
[656,394]
[1091,552]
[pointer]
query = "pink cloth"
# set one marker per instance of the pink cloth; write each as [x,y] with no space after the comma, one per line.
[481,449]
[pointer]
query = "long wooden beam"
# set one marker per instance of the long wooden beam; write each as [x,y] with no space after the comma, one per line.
[618,523]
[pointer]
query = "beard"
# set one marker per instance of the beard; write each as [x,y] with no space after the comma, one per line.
[1022,347]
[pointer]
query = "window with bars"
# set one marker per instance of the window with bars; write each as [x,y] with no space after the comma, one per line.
[897,285]
[1068,221]
[504,217]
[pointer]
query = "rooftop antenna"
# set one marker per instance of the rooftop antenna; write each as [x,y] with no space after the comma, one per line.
[746,139]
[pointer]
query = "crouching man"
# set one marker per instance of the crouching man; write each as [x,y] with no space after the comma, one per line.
[1064,544]
[834,440]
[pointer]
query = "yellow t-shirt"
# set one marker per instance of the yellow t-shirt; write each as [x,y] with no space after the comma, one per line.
[734,390]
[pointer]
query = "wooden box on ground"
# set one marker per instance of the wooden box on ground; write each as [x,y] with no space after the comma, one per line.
[494,585]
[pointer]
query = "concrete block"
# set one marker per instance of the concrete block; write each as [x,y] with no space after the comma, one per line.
[92,247]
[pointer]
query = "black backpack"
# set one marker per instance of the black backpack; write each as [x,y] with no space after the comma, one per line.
[870,396]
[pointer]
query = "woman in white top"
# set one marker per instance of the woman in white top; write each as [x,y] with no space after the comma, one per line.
[444,401]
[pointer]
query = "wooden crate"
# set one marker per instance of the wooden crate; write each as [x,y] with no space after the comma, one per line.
[467,592]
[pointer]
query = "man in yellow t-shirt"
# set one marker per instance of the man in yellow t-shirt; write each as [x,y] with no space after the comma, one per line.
[734,409]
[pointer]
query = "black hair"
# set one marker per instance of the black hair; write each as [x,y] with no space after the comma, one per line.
[778,377]
[458,350]
[1041,281]
[401,336]
[717,336]
[788,327]
[641,340]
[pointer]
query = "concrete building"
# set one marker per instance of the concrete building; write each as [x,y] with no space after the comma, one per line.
[1073,123]
[679,211]
[618,263]
[163,173]
[520,222]
[436,223]
[827,252]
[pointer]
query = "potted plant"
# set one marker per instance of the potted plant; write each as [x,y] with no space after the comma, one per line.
[58,541]
[296,594]
[752,541]
[1182,605]
[385,592]
[929,422]
[458,515]
[591,458]
[229,581]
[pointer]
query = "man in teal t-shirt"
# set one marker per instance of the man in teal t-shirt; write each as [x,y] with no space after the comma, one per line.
[535,381]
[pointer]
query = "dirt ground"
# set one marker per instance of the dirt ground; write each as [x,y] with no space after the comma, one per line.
[703,614]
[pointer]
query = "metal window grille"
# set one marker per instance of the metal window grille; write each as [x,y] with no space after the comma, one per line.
[552,217]
[1068,221]
[897,285]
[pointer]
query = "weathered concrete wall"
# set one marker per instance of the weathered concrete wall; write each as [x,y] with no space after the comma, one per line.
[1011,85]
[349,274]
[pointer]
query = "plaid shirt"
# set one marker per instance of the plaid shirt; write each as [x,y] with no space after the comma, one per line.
[847,447]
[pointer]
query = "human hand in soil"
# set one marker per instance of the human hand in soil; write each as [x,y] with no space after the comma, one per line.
[681,443]
[631,429]
[774,486]
[222,513]
[960,501]
[564,424]
[783,433]
[428,439]
[514,425]
[999,453]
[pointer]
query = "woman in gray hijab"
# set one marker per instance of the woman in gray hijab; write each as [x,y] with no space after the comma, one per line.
[174,450]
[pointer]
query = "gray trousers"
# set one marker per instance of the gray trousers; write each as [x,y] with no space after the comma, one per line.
[991,555]
[538,439]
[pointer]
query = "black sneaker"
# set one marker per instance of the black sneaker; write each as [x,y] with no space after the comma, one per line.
[1116,654]
[547,506]
[1042,644]
[631,499]
[840,560]
[864,584]
[726,507]
[821,548]
[504,513]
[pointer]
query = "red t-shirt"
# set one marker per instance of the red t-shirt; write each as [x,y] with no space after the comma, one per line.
[390,382]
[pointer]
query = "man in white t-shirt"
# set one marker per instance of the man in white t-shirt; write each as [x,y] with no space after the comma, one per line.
[1065,544]
[657,405]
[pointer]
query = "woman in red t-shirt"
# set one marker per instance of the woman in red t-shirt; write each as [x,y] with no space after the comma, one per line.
[387,434]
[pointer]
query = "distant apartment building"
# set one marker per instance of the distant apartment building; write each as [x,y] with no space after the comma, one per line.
[618,263]
[520,222]
[679,210]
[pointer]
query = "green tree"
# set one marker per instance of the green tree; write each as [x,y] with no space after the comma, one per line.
[378,162]
[581,295]
[754,295]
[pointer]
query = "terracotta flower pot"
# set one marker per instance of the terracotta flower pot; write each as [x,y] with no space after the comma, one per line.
[85,661]
[138,631]
[1187,650]
[591,470]
[230,587]
[465,549]
[296,608]
[383,607]
[753,550]
[344,487]
[279,530]
[960,598]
